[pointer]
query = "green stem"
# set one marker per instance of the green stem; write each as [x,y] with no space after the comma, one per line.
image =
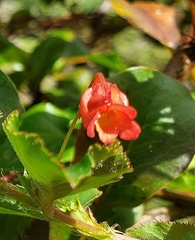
[64,144]
[83,227]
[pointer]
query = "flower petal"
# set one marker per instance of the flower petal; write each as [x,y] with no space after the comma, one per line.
[107,126]
[132,132]
[98,78]
[124,111]
[91,126]
[118,97]
[106,109]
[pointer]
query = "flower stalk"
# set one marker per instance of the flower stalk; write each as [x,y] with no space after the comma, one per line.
[66,139]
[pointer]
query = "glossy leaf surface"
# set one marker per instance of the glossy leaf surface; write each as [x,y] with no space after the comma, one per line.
[165,146]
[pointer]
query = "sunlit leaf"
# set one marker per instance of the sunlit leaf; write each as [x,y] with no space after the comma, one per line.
[14,202]
[166,113]
[105,164]
[10,52]
[184,186]
[109,60]
[85,198]
[36,158]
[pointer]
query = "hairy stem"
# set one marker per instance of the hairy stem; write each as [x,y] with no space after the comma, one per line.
[83,227]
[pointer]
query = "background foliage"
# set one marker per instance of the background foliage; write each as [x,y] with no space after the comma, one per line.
[49,52]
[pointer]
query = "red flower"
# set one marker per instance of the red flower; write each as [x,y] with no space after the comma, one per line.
[104,108]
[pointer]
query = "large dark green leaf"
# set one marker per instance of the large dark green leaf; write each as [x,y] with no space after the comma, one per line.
[166,113]
[8,100]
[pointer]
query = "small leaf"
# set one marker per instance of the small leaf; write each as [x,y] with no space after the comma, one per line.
[100,166]
[157,20]
[110,163]
[78,172]
[85,198]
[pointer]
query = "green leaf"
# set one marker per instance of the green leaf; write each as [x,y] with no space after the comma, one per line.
[8,158]
[105,164]
[108,164]
[43,169]
[123,195]
[161,231]
[109,60]
[184,183]
[13,201]
[8,101]
[44,56]
[59,231]
[166,113]
[13,227]
[52,127]
[10,52]
[124,216]
[74,46]
[85,198]
[86,6]
[76,173]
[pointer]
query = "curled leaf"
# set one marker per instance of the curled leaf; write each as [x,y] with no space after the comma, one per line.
[157,20]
